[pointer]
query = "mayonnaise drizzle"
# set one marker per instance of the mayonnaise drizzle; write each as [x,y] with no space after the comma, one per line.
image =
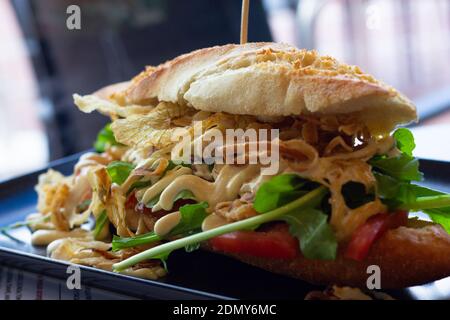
[213,221]
[44,237]
[158,187]
[225,188]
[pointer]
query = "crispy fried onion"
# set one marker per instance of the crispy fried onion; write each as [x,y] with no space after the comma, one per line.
[335,171]
[158,128]
[339,165]
[97,254]
[53,191]
[149,170]
[59,196]
[90,103]
[301,155]
[153,129]
[44,237]
[115,208]
[330,134]
[83,251]
[236,210]
[337,144]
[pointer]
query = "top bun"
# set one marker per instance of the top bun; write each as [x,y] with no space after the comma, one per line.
[271,79]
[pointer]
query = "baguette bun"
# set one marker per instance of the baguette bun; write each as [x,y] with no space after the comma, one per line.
[406,257]
[111,90]
[270,79]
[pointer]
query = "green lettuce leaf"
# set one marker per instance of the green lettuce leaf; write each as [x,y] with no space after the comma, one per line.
[119,243]
[192,216]
[402,167]
[162,251]
[139,185]
[440,216]
[172,165]
[405,195]
[310,226]
[100,223]
[184,194]
[316,238]
[119,171]
[192,247]
[405,141]
[280,190]
[153,202]
[105,139]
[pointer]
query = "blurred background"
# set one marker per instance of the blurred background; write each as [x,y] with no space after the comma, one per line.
[42,63]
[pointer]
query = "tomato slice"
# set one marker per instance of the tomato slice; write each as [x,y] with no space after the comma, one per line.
[364,237]
[131,201]
[272,244]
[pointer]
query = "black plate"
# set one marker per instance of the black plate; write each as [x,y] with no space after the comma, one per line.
[197,275]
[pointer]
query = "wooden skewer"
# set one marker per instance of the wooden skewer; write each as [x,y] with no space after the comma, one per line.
[244,21]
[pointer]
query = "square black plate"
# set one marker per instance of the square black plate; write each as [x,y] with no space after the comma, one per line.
[197,275]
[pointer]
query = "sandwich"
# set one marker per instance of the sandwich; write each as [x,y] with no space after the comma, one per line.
[334,189]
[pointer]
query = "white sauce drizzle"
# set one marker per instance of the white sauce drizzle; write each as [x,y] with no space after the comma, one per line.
[225,188]
[158,187]
[44,237]
[213,221]
[165,224]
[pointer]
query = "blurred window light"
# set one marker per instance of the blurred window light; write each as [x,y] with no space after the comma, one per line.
[402,42]
[23,143]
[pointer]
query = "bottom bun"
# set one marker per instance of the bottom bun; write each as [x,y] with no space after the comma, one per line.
[406,257]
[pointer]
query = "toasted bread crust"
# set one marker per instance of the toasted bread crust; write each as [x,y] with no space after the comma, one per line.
[406,257]
[111,90]
[272,79]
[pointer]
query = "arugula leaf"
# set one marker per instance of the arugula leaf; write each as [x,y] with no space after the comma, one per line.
[310,227]
[172,165]
[408,196]
[192,216]
[402,167]
[119,171]
[192,247]
[139,185]
[387,187]
[311,198]
[184,194]
[397,193]
[100,223]
[440,216]
[405,141]
[153,202]
[119,243]
[280,190]
[105,139]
